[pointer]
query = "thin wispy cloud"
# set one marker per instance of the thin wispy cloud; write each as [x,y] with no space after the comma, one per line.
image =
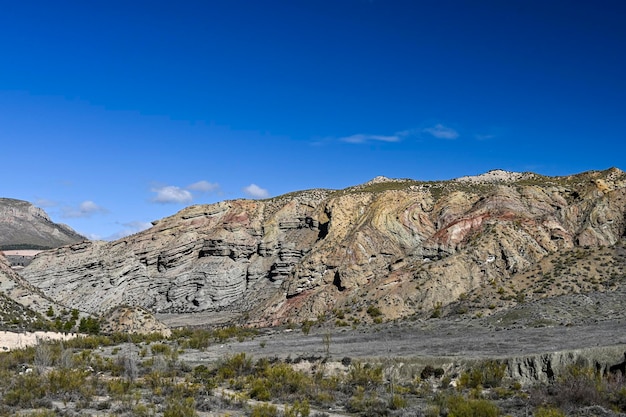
[363,138]
[171,194]
[484,137]
[85,209]
[137,226]
[255,191]
[204,186]
[440,131]
[93,236]
[45,203]
[129,228]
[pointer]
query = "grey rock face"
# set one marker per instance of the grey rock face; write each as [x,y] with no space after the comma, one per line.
[403,246]
[226,256]
[20,291]
[24,225]
[544,368]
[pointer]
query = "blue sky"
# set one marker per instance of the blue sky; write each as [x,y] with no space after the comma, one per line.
[114,114]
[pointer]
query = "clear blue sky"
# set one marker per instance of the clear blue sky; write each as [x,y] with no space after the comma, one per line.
[117,113]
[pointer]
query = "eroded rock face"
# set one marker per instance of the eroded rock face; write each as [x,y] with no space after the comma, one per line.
[405,246]
[132,320]
[546,367]
[20,291]
[226,256]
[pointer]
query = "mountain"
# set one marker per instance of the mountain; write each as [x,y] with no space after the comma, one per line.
[383,250]
[24,226]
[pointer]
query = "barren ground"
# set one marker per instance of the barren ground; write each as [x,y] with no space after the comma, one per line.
[427,341]
[578,321]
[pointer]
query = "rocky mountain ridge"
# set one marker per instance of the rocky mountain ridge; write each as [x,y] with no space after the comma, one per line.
[382,250]
[24,226]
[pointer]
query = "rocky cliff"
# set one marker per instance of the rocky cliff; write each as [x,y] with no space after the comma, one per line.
[21,304]
[381,250]
[24,226]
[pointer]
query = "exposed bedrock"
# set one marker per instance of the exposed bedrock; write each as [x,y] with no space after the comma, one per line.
[405,246]
[528,370]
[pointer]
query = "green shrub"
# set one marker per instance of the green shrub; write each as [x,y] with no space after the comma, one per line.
[284,382]
[578,385]
[548,412]
[25,391]
[64,383]
[119,389]
[493,373]
[367,404]
[374,311]
[89,342]
[202,375]
[397,402]
[264,410]
[161,349]
[364,375]
[488,374]
[437,311]
[617,396]
[259,390]
[299,409]
[461,407]
[42,413]
[306,326]
[142,410]
[237,365]
[180,407]
[14,359]
[89,325]
[240,333]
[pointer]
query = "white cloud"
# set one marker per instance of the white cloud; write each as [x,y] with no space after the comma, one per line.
[89,207]
[85,209]
[171,194]
[204,186]
[137,226]
[129,228]
[92,236]
[44,202]
[255,191]
[362,138]
[442,132]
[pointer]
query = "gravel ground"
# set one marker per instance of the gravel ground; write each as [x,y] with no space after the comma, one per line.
[422,340]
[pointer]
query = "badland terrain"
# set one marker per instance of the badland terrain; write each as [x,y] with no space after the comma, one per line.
[520,268]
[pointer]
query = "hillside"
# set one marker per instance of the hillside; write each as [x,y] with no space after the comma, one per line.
[383,250]
[26,230]
[22,306]
[24,226]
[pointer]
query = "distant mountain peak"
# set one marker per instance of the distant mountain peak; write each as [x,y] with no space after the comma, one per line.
[22,225]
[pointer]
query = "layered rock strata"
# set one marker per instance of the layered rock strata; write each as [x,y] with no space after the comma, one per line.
[407,247]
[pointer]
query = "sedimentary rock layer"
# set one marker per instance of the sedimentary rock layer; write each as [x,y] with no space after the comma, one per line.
[402,245]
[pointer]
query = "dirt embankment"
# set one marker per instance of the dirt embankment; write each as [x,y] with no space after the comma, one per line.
[531,354]
[11,340]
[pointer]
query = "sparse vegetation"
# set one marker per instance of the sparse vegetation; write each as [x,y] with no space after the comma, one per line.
[146,375]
